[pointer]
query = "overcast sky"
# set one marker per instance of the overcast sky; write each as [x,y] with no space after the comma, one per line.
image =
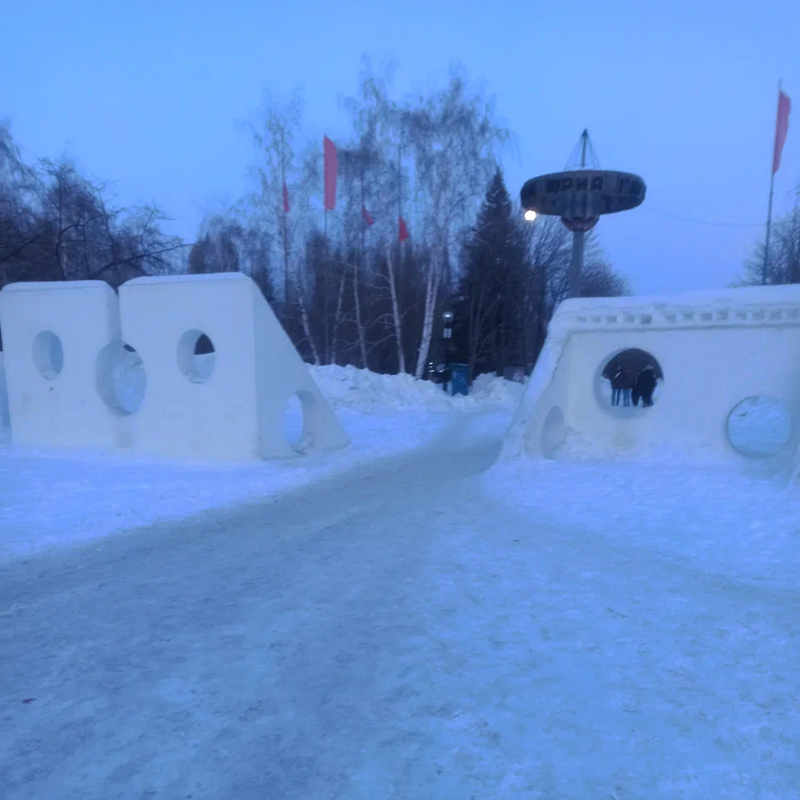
[683,93]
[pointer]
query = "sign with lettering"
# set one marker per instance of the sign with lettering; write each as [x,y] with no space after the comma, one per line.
[583,195]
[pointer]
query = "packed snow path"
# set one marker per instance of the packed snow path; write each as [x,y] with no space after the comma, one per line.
[392,633]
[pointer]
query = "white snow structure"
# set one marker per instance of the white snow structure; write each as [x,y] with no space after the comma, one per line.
[52,333]
[85,368]
[5,422]
[236,411]
[716,349]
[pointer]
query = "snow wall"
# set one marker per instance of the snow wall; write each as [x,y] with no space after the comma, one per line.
[716,349]
[66,345]
[5,421]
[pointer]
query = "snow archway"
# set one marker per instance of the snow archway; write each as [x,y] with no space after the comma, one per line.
[714,350]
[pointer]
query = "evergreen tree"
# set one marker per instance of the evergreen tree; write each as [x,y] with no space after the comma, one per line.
[489,327]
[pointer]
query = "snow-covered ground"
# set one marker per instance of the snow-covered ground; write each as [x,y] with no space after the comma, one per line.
[54,498]
[420,628]
[716,522]
[414,620]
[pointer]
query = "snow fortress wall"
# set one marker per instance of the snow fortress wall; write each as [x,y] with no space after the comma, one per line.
[4,420]
[52,333]
[715,349]
[225,406]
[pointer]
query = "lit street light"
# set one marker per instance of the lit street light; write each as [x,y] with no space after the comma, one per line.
[530,215]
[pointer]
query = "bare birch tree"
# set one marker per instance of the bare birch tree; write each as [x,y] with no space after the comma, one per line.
[275,138]
[454,139]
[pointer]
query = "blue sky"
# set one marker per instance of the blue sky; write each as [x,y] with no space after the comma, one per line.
[683,93]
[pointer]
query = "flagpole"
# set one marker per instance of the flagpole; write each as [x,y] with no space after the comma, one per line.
[771,193]
[326,293]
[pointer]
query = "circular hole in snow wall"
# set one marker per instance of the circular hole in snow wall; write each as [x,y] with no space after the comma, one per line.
[196,356]
[554,431]
[48,354]
[759,427]
[295,421]
[629,382]
[121,378]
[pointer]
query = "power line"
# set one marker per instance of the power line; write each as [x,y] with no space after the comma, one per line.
[705,221]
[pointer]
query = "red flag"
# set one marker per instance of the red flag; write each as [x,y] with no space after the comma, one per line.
[285,199]
[403,231]
[781,128]
[331,172]
[367,218]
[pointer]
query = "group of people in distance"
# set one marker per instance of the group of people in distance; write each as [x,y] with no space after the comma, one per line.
[629,386]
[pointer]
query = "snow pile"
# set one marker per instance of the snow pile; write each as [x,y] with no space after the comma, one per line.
[717,521]
[489,390]
[52,497]
[369,392]
[352,388]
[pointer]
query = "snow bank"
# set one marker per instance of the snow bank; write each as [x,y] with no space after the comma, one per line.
[350,387]
[489,390]
[50,498]
[713,520]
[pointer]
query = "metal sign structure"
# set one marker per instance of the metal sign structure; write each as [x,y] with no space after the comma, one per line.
[580,197]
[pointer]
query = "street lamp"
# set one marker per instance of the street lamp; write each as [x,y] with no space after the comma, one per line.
[447,335]
[530,215]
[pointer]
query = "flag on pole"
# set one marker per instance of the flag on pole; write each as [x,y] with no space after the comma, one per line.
[403,231]
[367,218]
[285,199]
[781,128]
[331,173]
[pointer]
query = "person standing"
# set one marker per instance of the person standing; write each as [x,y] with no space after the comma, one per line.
[616,385]
[627,382]
[646,385]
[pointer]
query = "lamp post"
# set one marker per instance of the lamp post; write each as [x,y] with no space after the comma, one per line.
[447,335]
[580,197]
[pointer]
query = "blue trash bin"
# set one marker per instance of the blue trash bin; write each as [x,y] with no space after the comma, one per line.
[458,379]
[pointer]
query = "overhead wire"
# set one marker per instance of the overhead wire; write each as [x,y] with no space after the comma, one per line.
[595,162]
[697,221]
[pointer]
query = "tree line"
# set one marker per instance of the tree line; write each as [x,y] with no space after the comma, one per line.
[782,264]
[349,285]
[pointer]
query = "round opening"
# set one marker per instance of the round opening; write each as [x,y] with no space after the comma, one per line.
[554,431]
[121,378]
[48,354]
[759,427]
[294,421]
[196,356]
[629,382]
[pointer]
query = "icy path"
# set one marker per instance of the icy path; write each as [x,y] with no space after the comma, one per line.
[392,634]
